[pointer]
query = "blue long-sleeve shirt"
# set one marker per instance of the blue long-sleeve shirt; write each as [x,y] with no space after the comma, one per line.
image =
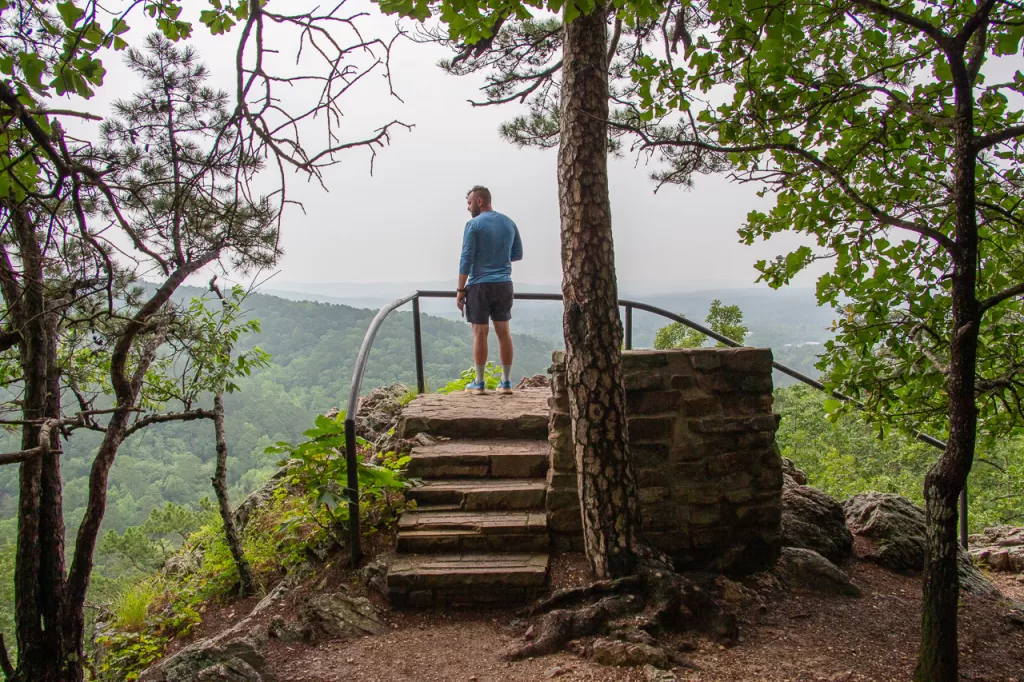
[490,244]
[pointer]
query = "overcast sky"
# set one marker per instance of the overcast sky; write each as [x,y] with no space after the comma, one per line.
[405,222]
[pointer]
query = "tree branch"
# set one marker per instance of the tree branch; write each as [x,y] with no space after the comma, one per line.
[832,172]
[119,357]
[149,419]
[66,169]
[991,464]
[906,19]
[54,112]
[521,95]
[8,340]
[614,43]
[40,450]
[975,22]
[977,54]
[1003,295]
[992,139]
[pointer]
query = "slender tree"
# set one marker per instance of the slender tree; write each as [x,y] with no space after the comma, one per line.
[79,223]
[890,133]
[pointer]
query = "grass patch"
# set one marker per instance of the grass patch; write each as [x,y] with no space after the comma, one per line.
[131,607]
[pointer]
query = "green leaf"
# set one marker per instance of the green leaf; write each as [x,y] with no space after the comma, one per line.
[33,67]
[70,13]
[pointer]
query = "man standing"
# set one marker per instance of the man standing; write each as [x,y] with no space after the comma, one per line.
[489,245]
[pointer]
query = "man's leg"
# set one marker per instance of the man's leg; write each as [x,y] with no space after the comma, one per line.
[480,349]
[505,350]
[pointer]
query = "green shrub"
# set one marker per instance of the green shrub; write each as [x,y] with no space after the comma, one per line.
[319,468]
[127,654]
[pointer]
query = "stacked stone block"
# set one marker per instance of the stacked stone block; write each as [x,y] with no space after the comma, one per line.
[702,437]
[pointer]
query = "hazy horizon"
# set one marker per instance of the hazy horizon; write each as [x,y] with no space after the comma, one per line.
[405,221]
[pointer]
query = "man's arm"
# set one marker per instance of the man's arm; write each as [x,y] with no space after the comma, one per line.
[465,262]
[517,245]
[468,250]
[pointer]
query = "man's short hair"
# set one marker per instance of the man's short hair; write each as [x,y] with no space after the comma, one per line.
[481,192]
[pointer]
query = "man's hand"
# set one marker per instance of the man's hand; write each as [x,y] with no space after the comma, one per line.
[460,293]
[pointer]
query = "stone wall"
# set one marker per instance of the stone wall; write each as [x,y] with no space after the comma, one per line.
[702,437]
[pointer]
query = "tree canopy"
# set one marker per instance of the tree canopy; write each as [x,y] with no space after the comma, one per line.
[726,320]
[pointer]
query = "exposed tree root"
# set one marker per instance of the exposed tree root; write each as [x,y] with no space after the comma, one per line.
[634,610]
[575,595]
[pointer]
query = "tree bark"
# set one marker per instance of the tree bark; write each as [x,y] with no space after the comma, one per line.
[220,486]
[39,563]
[593,331]
[938,656]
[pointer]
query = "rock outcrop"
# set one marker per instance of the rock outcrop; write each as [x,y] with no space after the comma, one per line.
[234,654]
[813,520]
[379,411]
[536,381]
[1000,548]
[895,530]
[259,498]
[330,616]
[791,473]
[807,570]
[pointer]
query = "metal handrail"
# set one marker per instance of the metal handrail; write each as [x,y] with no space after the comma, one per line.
[352,491]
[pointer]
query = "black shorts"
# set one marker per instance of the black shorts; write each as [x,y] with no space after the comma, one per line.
[489,300]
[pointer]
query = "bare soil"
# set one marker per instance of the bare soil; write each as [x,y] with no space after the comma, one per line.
[785,636]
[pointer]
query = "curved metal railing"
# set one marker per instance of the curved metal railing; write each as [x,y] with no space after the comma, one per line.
[352,491]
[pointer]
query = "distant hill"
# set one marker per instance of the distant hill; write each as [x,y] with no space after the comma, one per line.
[313,348]
[789,321]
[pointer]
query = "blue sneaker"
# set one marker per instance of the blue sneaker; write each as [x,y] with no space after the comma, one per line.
[505,387]
[475,387]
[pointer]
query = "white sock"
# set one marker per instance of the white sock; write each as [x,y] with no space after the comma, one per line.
[480,373]
[506,372]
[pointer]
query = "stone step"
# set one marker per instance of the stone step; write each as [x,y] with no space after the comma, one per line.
[484,523]
[459,541]
[480,458]
[431,532]
[466,579]
[524,414]
[481,494]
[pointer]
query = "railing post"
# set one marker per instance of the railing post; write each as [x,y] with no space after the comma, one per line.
[963,516]
[352,492]
[421,384]
[629,327]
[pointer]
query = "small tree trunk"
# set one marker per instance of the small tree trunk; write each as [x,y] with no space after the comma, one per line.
[938,656]
[593,332]
[72,615]
[220,485]
[39,567]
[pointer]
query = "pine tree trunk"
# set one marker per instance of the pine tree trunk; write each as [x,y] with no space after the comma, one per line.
[220,485]
[39,567]
[593,331]
[938,656]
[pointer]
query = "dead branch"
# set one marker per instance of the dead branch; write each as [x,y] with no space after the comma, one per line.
[190,415]
[44,447]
